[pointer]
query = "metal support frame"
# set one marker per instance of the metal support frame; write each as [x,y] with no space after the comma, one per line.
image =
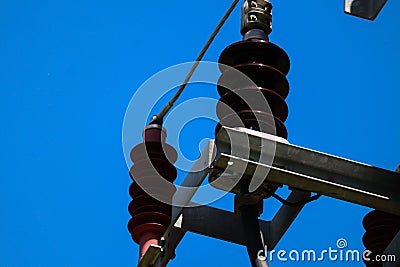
[303,170]
[227,226]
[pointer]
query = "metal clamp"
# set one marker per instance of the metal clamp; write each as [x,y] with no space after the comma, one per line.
[256,19]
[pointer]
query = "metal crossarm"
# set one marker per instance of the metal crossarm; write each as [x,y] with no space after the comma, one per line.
[312,171]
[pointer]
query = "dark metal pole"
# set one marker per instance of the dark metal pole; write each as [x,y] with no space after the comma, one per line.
[252,230]
[250,207]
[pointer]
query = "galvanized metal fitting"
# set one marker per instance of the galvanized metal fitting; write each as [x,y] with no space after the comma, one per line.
[256,19]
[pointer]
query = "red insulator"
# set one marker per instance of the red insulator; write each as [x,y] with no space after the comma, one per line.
[153,160]
[267,66]
[380,228]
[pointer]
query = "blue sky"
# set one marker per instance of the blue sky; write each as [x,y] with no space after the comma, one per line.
[68,70]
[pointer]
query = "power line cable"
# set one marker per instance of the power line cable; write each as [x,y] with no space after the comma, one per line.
[160,117]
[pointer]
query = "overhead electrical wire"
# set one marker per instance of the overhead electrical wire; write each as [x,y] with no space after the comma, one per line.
[160,117]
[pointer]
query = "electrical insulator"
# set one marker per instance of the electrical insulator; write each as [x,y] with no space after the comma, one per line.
[266,65]
[380,228]
[153,160]
[253,85]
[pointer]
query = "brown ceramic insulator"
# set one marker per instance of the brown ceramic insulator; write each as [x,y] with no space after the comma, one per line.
[265,66]
[252,51]
[381,228]
[153,174]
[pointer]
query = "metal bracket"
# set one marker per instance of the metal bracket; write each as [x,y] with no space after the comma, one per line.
[256,19]
[366,9]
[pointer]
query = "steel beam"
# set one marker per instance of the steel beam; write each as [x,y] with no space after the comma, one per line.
[216,223]
[309,170]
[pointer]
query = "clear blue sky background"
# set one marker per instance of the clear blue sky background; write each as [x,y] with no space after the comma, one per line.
[69,68]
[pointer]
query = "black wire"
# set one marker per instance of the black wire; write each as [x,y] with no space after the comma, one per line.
[160,117]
